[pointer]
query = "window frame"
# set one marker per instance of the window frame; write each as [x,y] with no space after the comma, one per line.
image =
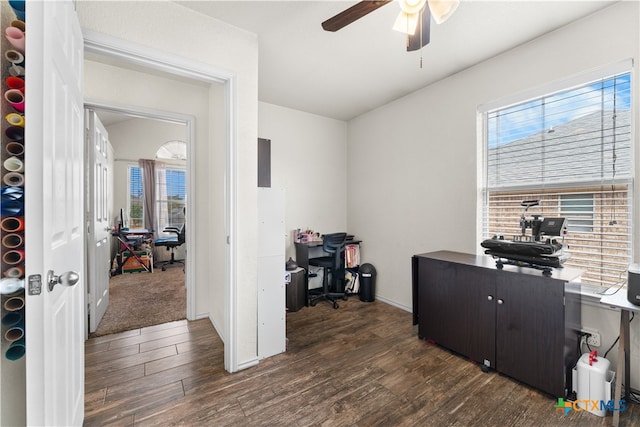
[585,218]
[130,166]
[169,166]
[546,90]
[173,166]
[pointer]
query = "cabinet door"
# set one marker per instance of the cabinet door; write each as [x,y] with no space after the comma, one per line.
[477,289]
[455,311]
[530,330]
[438,321]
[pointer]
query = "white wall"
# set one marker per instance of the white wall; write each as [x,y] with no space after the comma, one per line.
[412,163]
[216,193]
[171,28]
[414,188]
[308,160]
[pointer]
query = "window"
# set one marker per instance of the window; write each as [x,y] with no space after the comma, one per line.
[136,198]
[572,151]
[579,211]
[172,150]
[170,196]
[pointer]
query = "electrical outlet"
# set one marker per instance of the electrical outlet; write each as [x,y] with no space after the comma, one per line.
[594,338]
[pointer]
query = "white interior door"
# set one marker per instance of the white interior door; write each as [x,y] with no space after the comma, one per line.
[98,219]
[54,217]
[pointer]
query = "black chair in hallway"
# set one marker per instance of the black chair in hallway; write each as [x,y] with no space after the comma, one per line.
[171,243]
[332,244]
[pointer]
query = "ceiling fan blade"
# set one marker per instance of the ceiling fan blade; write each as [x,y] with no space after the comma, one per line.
[352,14]
[422,35]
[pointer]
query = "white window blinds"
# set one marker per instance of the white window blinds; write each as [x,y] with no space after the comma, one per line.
[171,195]
[578,135]
[136,198]
[572,151]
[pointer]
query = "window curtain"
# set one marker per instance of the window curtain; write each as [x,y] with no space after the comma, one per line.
[148,168]
[162,212]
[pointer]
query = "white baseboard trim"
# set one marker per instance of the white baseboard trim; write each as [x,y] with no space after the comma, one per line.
[395,304]
[247,364]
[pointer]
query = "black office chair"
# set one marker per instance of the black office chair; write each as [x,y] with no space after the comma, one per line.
[171,243]
[333,244]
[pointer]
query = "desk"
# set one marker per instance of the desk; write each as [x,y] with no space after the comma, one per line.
[304,251]
[619,300]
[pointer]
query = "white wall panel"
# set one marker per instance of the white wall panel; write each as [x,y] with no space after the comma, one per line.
[271,269]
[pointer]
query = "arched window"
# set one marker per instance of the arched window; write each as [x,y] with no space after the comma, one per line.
[172,150]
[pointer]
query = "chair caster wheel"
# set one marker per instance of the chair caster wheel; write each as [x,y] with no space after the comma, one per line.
[164,268]
[335,305]
[484,368]
[312,303]
[345,297]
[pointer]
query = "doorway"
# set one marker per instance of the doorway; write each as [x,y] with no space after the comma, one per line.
[138,294]
[215,233]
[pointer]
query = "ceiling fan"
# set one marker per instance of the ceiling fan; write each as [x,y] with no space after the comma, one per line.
[414,18]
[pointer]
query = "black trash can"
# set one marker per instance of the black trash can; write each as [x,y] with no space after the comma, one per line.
[367,273]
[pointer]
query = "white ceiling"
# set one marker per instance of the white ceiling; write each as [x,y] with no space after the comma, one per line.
[365,65]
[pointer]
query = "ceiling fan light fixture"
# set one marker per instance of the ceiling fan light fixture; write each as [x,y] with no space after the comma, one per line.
[411,6]
[441,10]
[406,23]
[407,20]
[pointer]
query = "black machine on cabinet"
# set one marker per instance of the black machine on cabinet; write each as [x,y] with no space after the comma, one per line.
[543,248]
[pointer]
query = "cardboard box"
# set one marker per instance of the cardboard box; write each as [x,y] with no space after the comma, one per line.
[132,265]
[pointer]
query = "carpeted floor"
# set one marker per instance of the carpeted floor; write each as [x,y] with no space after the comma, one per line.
[137,300]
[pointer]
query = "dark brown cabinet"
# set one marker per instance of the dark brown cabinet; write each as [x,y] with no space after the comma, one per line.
[514,320]
[296,291]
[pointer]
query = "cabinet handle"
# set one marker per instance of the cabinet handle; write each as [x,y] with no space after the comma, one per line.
[490,297]
[500,301]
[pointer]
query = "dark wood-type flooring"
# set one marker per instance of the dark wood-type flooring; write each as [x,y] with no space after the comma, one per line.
[360,365]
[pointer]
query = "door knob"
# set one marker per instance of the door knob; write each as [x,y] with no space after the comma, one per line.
[490,297]
[500,301]
[68,279]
